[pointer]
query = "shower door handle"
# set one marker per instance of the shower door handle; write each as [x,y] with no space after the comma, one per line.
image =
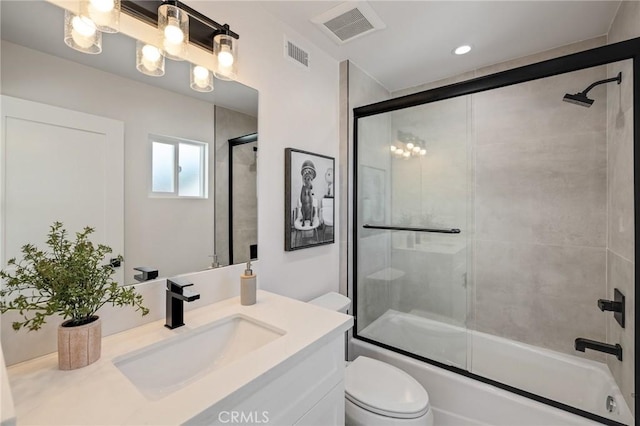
[414,229]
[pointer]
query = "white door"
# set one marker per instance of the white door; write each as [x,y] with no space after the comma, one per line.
[60,165]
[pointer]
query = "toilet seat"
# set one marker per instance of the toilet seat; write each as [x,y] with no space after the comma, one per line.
[383,389]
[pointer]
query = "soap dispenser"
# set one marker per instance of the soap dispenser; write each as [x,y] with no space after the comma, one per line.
[248,287]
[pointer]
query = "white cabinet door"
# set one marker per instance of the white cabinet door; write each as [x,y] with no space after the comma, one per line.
[60,165]
[328,412]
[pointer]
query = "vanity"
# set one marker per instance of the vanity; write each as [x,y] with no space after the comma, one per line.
[280,361]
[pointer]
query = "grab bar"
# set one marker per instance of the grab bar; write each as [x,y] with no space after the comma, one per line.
[409,228]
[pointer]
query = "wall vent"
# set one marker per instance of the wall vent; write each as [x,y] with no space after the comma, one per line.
[349,21]
[296,54]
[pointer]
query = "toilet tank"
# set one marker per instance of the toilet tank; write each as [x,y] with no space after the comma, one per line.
[334,301]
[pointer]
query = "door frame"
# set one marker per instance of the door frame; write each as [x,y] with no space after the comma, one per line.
[11,107]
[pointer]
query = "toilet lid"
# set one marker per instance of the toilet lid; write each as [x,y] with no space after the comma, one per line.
[384,389]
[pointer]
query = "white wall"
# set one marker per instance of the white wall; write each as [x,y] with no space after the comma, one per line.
[298,109]
[157,233]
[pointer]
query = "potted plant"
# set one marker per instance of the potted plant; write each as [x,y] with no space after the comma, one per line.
[71,279]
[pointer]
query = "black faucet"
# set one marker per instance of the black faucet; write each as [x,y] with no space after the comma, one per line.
[176,295]
[582,344]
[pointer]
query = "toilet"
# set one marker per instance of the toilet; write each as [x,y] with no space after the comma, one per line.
[378,393]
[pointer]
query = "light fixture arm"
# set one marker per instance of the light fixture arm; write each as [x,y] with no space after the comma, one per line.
[147,12]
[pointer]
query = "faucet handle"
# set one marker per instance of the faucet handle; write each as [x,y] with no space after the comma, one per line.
[177,284]
[608,305]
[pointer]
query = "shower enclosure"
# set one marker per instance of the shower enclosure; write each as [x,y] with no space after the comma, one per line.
[493,223]
[243,198]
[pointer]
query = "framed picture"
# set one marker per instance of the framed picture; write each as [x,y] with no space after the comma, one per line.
[309,208]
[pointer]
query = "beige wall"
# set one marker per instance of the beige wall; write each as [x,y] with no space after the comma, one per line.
[621,244]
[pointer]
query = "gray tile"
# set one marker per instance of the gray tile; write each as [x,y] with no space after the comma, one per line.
[626,24]
[433,84]
[619,96]
[620,275]
[343,182]
[543,56]
[540,295]
[550,191]
[534,110]
[620,168]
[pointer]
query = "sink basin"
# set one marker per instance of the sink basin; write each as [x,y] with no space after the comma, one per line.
[164,367]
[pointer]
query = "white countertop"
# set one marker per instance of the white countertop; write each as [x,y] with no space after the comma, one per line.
[101,394]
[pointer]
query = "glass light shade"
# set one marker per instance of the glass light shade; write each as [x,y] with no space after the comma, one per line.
[201,79]
[173,25]
[416,149]
[149,59]
[393,148]
[409,146]
[225,49]
[81,34]
[105,14]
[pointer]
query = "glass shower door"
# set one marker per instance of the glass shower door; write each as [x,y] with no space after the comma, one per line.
[413,238]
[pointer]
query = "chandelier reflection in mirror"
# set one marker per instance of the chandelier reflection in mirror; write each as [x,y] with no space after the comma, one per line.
[178,26]
[408,145]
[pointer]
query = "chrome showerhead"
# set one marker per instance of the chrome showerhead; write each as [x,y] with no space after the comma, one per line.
[581,97]
[578,99]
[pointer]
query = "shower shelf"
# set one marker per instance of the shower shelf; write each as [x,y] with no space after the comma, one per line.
[409,228]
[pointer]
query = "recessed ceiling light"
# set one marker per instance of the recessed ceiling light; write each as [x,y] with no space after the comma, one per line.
[461,50]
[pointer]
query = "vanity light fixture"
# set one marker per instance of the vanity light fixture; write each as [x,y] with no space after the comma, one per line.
[81,33]
[201,79]
[173,25]
[149,59]
[225,49]
[105,14]
[178,27]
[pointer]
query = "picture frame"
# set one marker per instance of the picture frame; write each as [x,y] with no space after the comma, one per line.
[309,218]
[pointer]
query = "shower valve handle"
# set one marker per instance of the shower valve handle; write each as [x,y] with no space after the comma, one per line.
[609,305]
[616,306]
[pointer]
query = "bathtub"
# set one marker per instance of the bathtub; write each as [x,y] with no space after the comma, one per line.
[460,400]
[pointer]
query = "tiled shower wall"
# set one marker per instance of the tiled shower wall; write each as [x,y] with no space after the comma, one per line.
[540,210]
[539,207]
[513,300]
[232,124]
[621,244]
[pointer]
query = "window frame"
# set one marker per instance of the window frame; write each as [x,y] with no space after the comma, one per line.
[204,167]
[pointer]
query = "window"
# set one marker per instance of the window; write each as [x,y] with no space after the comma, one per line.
[178,167]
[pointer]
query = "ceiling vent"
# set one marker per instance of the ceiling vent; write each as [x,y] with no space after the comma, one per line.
[349,21]
[296,54]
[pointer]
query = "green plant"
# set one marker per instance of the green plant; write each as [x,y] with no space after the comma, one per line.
[70,280]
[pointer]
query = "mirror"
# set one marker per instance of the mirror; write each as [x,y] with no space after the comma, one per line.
[172,234]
